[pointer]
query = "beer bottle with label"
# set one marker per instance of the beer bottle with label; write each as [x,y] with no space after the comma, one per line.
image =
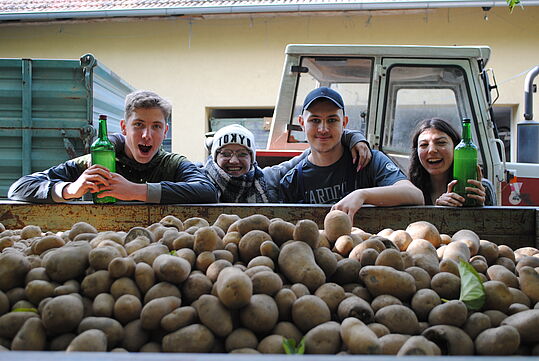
[465,163]
[102,151]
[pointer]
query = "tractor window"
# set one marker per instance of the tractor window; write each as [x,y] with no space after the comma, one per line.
[351,77]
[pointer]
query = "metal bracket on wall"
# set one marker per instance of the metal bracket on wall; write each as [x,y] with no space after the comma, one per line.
[69,147]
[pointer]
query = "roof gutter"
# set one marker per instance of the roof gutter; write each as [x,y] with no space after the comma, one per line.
[263,8]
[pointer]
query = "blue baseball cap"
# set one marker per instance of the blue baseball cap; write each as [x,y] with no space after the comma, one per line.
[323,92]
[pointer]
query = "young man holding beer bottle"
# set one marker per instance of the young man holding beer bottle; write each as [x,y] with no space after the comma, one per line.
[144,172]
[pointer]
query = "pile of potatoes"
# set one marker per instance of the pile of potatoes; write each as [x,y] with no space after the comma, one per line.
[245,285]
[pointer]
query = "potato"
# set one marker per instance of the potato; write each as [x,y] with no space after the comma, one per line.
[499,341]
[179,318]
[38,290]
[284,299]
[498,296]
[386,280]
[225,220]
[137,243]
[398,319]
[206,239]
[378,329]
[241,338]
[272,344]
[30,231]
[194,286]
[234,288]
[60,343]
[96,283]
[195,222]
[261,314]
[204,260]
[100,257]
[400,238]
[12,322]
[183,240]
[336,224]
[450,339]
[516,308]
[13,269]
[520,297]
[421,277]
[162,289]
[127,308]
[391,258]
[261,261]
[171,268]
[476,323]
[423,301]
[526,323]
[470,238]
[358,338]
[215,268]
[266,282]
[122,267]
[419,346]
[384,300]
[46,243]
[62,314]
[310,311]
[369,257]
[134,336]
[391,343]
[144,276]
[496,317]
[171,221]
[112,329]
[356,307]
[249,245]
[373,242]
[323,339]
[332,294]
[150,253]
[453,313]
[214,315]
[529,283]
[326,260]
[489,250]
[103,305]
[426,231]
[89,341]
[257,222]
[447,285]
[81,227]
[307,231]
[458,250]
[4,303]
[297,263]
[156,309]
[344,245]
[281,231]
[424,255]
[288,330]
[506,251]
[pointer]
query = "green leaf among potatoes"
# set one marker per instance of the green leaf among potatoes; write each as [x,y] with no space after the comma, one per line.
[472,291]
[289,346]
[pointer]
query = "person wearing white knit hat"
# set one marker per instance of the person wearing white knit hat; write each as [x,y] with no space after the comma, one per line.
[233,169]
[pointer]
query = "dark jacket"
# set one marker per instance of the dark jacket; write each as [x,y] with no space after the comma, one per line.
[171,178]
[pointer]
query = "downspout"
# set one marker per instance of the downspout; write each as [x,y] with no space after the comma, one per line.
[528,130]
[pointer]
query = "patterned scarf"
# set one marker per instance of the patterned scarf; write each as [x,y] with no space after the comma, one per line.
[247,188]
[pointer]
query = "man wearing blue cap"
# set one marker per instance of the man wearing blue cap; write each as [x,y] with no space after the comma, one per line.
[326,176]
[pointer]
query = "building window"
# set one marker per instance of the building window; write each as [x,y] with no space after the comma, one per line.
[502,117]
[258,121]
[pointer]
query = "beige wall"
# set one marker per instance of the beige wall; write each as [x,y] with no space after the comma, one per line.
[237,61]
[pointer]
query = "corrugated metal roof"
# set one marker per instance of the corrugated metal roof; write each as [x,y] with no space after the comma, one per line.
[55,9]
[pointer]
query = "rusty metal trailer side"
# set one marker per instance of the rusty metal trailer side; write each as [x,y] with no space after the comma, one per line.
[513,226]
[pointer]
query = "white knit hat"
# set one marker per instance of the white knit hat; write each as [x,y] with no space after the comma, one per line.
[233,134]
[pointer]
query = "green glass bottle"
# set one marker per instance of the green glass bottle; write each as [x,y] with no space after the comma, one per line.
[465,163]
[102,151]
